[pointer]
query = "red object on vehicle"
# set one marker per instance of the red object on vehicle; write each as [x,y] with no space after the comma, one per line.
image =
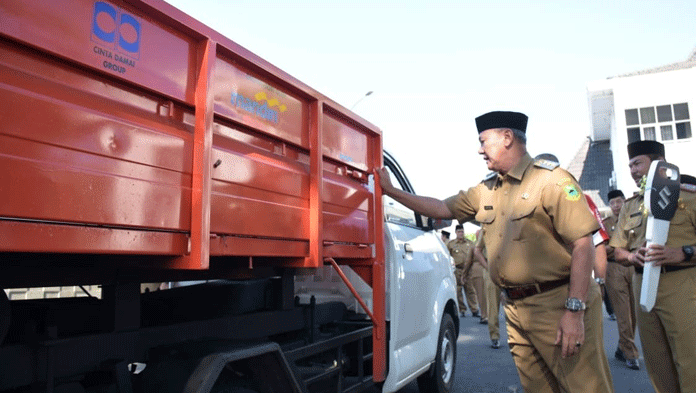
[131,129]
[601,235]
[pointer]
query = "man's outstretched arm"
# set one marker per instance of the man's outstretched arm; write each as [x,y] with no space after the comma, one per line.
[427,206]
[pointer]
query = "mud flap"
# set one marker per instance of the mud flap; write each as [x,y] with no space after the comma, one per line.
[275,367]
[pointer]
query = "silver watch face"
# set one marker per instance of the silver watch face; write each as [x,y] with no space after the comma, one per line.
[574,304]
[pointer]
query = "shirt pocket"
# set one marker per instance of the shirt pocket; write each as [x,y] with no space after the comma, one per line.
[521,220]
[680,218]
[680,225]
[632,228]
[485,216]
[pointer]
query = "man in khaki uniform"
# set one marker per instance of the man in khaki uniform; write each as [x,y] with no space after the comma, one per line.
[619,289]
[668,331]
[473,273]
[538,234]
[493,293]
[445,237]
[461,250]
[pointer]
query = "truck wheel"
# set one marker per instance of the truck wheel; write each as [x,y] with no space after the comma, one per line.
[440,377]
[5,313]
[232,389]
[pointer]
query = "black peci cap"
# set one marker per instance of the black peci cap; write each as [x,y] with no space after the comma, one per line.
[447,234]
[500,119]
[458,227]
[688,179]
[615,194]
[644,148]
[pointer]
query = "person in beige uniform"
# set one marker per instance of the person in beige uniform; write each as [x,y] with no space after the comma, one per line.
[493,293]
[461,250]
[474,270]
[445,237]
[619,289]
[538,234]
[668,331]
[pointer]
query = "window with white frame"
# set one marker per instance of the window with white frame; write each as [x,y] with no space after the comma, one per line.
[658,123]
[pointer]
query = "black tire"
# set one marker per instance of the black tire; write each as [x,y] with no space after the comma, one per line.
[440,377]
[5,313]
[232,389]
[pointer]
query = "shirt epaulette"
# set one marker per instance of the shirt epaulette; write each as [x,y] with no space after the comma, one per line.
[634,196]
[687,187]
[490,176]
[546,164]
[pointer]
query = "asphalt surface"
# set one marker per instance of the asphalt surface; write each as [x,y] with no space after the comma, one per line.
[482,369]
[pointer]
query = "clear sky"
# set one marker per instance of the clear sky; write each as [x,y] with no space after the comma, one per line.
[435,66]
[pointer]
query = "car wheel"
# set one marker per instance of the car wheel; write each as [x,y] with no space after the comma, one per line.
[440,377]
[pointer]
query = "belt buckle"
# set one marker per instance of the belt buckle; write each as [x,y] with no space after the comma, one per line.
[514,292]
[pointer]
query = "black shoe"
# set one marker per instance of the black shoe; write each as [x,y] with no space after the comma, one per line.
[612,317]
[476,314]
[619,355]
[483,321]
[633,364]
[495,344]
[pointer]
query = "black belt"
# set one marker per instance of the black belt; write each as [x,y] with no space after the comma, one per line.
[666,268]
[515,293]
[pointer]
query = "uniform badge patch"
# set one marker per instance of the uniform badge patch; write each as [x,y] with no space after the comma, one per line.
[572,193]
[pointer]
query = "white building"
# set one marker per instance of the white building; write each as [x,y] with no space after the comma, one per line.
[655,104]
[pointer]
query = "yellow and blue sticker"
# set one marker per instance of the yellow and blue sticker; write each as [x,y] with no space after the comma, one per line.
[572,193]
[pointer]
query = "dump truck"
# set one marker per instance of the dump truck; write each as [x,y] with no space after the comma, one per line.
[222,220]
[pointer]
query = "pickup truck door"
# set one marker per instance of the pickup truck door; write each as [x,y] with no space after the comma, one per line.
[417,264]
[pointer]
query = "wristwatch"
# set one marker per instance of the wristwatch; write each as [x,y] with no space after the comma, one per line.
[688,252]
[599,280]
[574,304]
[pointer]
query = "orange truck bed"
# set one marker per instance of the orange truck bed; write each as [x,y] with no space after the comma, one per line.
[129,128]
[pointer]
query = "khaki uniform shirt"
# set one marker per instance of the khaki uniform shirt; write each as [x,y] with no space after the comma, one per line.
[530,218]
[461,251]
[476,269]
[610,224]
[631,226]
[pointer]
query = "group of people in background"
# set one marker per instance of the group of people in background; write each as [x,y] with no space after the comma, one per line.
[471,272]
[540,244]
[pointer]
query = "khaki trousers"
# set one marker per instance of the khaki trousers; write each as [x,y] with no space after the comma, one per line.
[479,287]
[468,288]
[620,291]
[668,332]
[493,293]
[532,323]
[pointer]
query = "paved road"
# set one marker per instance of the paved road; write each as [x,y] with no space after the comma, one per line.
[481,369]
